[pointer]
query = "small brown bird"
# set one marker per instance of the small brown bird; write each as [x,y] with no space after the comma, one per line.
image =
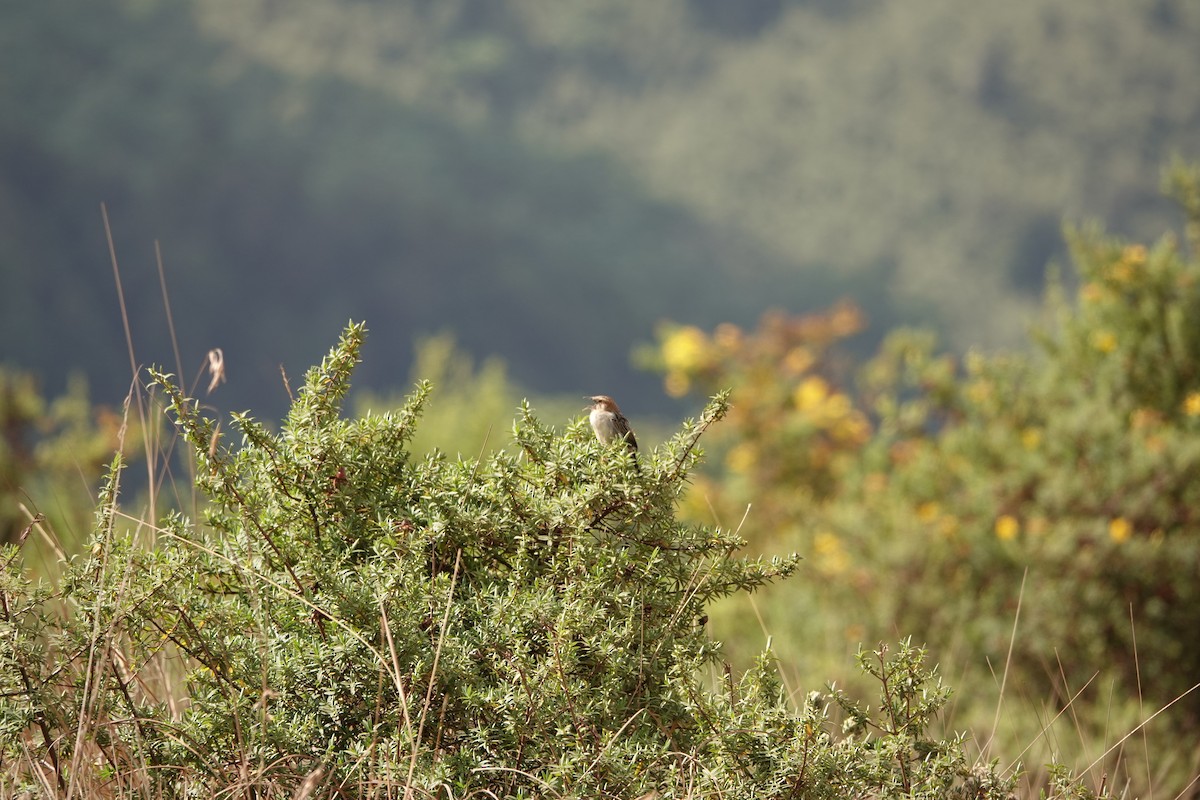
[609,423]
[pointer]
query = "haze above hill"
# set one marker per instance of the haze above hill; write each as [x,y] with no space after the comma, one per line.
[548,181]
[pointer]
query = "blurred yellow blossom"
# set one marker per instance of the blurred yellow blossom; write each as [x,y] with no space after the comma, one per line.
[1104,341]
[1091,293]
[676,384]
[728,335]
[1119,529]
[741,458]
[1007,527]
[979,391]
[928,511]
[1134,255]
[830,555]
[839,406]
[1120,272]
[684,349]
[798,360]
[1191,404]
[1031,438]
[845,320]
[852,427]
[811,393]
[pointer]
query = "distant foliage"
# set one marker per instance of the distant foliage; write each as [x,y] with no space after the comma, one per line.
[527,172]
[52,456]
[471,408]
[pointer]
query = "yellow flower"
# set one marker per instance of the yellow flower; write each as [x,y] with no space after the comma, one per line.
[851,428]
[1091,293]
[979,391]
[927,512]
[1104,341]
[676,384]
[831,556]
[1007,527]
[811,393]
[839,406]
[684,349]
[1134,255]
[1031,438]
[845,320]
[741,458]
[798,360]
[1119,529]
[1191,404]
[728,335]
[1121,272]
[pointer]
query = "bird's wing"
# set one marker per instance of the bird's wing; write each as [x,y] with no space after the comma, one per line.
[627,433]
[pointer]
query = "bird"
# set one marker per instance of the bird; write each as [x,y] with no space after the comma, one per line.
[609,423]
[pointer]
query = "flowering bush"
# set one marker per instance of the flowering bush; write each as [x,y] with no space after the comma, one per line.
[1059,484]
[789,423]
[1072,469]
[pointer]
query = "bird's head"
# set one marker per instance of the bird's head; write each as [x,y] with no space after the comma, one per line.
[601,402]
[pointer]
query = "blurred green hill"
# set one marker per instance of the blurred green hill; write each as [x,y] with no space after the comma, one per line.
[548,181]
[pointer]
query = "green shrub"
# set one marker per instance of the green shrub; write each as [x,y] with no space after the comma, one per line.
[1072,470]
[352,622]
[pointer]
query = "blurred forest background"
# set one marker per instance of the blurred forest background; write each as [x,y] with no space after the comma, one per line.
[549,181]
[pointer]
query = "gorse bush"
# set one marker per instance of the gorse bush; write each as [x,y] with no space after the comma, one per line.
[519,613]
[1073,469]
[1041,505]
[353,622]
[1073,472]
